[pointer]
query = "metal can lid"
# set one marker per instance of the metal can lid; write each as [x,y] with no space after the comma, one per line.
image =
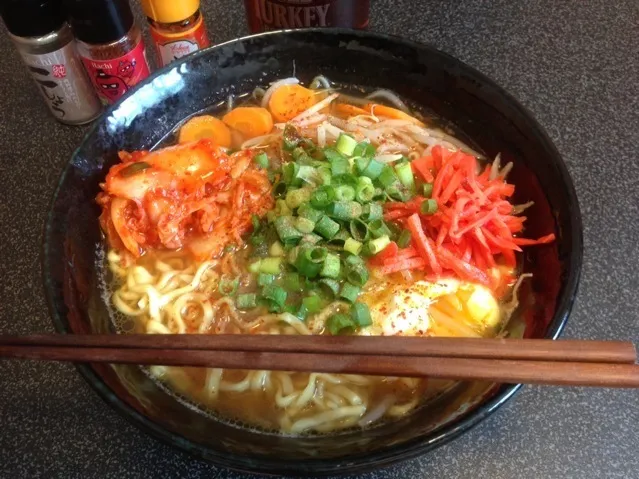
[32,18]
[99,21]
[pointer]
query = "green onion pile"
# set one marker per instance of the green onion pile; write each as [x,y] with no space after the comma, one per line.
[310,250]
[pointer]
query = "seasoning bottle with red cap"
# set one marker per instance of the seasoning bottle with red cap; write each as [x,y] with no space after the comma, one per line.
[110,45]
[41,34]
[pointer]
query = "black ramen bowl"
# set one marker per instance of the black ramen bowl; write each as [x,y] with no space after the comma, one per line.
[426,78]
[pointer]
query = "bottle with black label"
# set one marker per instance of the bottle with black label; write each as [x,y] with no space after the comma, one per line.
[41,34]
[266,15]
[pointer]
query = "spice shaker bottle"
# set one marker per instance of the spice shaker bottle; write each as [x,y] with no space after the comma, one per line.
[110,45]
[39,31]
[177,28]
[265,15]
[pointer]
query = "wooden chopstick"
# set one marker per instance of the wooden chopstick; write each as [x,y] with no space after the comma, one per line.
[529,349]
[449,363]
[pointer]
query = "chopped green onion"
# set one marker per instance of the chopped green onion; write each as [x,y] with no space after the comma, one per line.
[246,301]
[134,168]
[364,191]
[301,313]
[341,236]
[399,192]
[309,261]
[298,152]
[340,323]
[295,198]
[275,295]
[310,239]
[344,210]
[372,212]
[292,282]
[228,287]
[340,166]
[261,160]
[286,229]
[428,190]
[428,207]
[304,225]
[372,169]
[352,246]
[404,239]
[349,292]
[352,259]
[290,138]
[344,193]
[307,211]
[330,287]
[364,149]
[280,189]
[281,208]
[263,279]
[361,314]
[405,175]
[332,154]
[326,227]
[331,267]
[289,172]
[359,230]
[387,177]
[254,267]
[322,197]
[292,254]
[255,222]
[357,274]
[378,228]
[324,174]
[313,304]
[345,144]
[305,175]
[276,249]
[378,244]
[270,265]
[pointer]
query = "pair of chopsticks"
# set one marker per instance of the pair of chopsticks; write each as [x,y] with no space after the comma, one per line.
[532,361]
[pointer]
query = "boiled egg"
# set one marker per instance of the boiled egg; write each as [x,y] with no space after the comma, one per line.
[447,307]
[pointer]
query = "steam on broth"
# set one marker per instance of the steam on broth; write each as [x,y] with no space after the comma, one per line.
[304,210]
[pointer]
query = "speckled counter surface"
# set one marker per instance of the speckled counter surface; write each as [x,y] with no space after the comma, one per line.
[575,65]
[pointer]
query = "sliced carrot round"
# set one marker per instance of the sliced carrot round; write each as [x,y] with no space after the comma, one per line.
[383,110]
[250,121]
[288,101]
[205,126]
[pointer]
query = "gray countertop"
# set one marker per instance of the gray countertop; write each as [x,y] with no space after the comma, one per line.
[575,65]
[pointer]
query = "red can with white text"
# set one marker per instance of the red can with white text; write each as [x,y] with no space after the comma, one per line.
[265,15]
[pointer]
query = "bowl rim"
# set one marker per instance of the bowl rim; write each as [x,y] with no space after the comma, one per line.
[360,462]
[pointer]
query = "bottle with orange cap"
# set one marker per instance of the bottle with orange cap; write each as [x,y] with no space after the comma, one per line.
[177,28]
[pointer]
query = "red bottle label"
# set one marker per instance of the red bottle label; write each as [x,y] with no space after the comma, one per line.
[171,46]
[277,14]
[114,77]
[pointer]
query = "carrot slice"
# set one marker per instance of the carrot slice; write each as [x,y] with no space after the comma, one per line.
[288,101]
[422,243]
[422,166]
[346,110]
[527,242]
[250,121]
[205,126]
[387,253]
[383,110]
